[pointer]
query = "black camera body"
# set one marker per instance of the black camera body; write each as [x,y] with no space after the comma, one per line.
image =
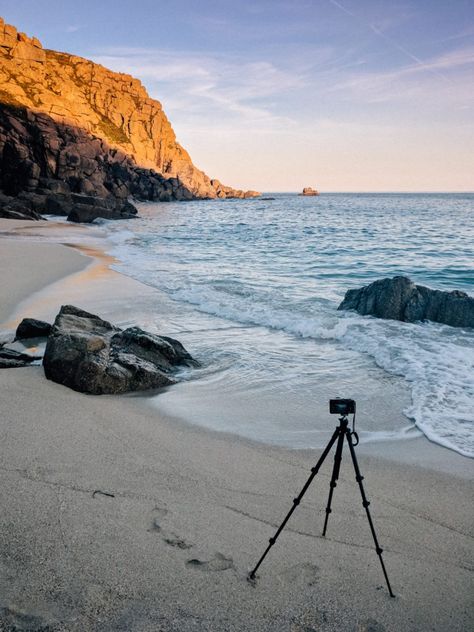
[341,406]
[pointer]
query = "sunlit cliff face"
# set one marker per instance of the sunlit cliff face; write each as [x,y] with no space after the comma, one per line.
[114,107]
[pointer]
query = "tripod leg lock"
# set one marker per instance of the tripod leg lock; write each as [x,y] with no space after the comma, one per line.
[328,510]
[272,541]
[365,503]
[379,551]
[296,501]
[333,484]
[359,479]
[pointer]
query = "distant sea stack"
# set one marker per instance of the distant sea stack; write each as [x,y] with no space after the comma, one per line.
[68,125]
[308,191]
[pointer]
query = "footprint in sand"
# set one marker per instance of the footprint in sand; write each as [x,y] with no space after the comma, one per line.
[170,538]
[306,573]
[176,541]
[218,563]
[158,514]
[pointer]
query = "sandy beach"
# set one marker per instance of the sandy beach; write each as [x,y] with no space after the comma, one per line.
[116,517]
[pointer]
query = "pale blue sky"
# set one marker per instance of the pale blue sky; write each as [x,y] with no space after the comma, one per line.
[277,95]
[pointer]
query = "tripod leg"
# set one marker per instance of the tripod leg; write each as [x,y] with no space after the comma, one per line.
[296,501]
[334,477]
[366,503]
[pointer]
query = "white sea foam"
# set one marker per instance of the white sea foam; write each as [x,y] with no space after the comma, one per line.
[437,361]
[286,267]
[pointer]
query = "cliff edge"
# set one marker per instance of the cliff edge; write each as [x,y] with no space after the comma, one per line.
[68,125]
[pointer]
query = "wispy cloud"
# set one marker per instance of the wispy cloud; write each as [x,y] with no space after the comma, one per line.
[224,86]
[73,28]
[412,82]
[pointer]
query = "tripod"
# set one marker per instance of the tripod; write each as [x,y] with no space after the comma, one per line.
[341,431]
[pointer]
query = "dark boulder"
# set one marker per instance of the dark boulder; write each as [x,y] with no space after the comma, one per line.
[86,208]
[58,204]
[11,359]
[17,208]
[91,355]
[32,328]
[400,299]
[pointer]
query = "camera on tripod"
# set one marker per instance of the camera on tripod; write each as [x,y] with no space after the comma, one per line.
[341,406]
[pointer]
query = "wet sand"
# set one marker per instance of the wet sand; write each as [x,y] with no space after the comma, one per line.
[116,517]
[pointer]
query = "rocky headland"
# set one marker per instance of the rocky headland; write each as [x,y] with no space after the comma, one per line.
[77,139]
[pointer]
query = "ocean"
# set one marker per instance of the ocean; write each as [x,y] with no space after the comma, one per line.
[251,288]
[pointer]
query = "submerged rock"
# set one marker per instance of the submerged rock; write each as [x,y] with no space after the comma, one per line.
[91,355]
[400,299]
[32,328]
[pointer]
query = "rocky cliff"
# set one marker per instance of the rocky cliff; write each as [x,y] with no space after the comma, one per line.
[68,125]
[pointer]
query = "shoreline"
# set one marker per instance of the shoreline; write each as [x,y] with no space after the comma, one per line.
[93,269]
[117,517]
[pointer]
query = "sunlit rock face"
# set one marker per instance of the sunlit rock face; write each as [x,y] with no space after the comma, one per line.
[68,119]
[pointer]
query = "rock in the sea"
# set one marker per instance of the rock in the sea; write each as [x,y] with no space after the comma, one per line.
[32,328]
[11,359]
[308,191]
[91,355]
[400,299]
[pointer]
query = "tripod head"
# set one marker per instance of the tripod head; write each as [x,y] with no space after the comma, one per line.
[344,408]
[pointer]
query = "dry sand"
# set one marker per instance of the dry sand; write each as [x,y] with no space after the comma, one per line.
[114,517]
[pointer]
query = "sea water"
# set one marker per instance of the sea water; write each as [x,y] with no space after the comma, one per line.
[251,287]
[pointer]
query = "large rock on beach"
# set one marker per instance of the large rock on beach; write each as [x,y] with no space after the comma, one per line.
[400,299]
[32,328]
[91,355]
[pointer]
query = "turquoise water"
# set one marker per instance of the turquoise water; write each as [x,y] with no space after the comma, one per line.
[252,288]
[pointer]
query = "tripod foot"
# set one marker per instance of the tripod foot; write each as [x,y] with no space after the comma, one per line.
[252,578]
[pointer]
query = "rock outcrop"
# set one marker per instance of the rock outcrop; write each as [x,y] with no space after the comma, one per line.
[400,299]
[18,208]
[91,355]
[308,191]
[68,125]
[13,359]
[32,328]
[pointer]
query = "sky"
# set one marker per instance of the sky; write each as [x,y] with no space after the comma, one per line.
[275,95]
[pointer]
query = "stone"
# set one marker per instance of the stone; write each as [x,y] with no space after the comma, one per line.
[32,328]
[17,208]
[93,356]
[58,204]
[26,51]
[90,209]
[308,191]
[11,359]
[400,299]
